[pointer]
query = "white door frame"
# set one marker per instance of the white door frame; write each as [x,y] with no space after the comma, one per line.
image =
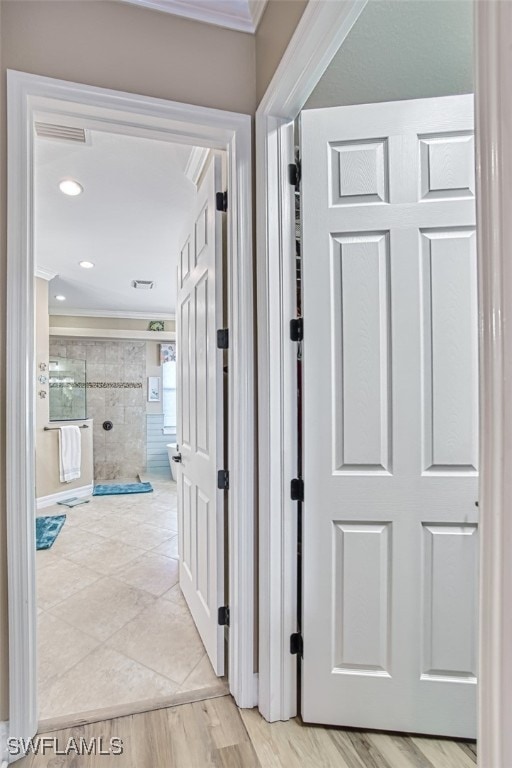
[29,95]
[319,34]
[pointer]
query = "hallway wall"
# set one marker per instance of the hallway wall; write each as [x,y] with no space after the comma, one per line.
[119,46]
[275,31]
[128,48]
[112,45]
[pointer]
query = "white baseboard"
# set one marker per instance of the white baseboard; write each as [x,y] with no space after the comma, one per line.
[48,501]
[4,731]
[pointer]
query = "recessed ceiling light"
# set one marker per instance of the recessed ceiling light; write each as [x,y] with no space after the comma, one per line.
[87,264]
[60,297]
[70,187]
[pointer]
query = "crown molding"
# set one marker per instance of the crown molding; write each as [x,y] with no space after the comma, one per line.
[196,163]
[45,274]
[111,333]
[70,312]
[257,9]
[209,14]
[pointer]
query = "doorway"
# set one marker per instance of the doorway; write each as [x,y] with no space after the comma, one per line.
[34,98]
[115,628]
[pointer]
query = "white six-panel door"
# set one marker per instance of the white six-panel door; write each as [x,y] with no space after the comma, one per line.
[390,417]
[200,418]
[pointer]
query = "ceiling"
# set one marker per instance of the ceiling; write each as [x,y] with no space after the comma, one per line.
[129,221]
[401,50]
[243,15]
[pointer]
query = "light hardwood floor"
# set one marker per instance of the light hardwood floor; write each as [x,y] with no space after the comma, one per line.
[216,733]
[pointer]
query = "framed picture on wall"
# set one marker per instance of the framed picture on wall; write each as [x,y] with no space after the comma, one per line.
[153,389]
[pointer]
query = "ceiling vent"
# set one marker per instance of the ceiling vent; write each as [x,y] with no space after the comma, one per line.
[61,132]
[143,284]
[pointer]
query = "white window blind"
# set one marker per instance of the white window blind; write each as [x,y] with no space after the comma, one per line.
[168,356]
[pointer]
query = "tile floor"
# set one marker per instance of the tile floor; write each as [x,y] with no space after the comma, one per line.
[113,625]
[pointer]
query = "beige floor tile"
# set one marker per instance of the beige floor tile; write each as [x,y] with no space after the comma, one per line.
[83,514]
[104,678]
[162,639]
[108,524]
[111,563]
[163,517]
[61,579]
[174,593]
[44,558]
[202,676]
[144,536]
[179,604]
[73,538]
[153,573]
[103,608]
[108,557]
[169,548]
[60,647]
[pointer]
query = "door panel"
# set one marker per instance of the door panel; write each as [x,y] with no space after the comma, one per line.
[200,418]
[390,415]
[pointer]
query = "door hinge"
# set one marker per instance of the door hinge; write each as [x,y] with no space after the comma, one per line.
[223,480]
[296,644]
[297,489]
[294,174]
[221,201]
[223,616]
[297,329]
[223,338]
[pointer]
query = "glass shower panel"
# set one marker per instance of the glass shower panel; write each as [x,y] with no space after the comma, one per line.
[68,399]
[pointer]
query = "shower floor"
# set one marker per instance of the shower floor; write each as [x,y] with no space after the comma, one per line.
[113,627]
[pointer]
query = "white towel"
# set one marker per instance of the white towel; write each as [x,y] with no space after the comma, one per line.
[70,453]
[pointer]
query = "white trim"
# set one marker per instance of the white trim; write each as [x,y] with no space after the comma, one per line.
[494,202]
[319,34]
[20,427]
[29,95]
[4,735]
[45,274]
[111,333]
[257,9]
[122,314]
[255,696]
[79,493]
[209,15]
[196,163]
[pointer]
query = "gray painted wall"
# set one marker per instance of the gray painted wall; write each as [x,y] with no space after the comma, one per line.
[401,49]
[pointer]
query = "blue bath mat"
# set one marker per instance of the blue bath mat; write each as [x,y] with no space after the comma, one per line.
[116,489]
[47,530]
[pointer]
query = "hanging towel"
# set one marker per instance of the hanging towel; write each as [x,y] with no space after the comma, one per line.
[70,453]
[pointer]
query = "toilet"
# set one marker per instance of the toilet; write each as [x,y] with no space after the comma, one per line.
[172,451]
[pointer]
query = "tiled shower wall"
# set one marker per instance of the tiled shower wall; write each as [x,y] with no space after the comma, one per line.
[116,391]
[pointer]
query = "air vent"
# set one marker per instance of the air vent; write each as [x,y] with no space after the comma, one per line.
[143,284]
[61,132]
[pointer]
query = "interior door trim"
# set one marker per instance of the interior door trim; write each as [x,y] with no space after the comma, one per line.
[126,113]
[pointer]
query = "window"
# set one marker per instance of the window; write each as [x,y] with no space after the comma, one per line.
[168,358]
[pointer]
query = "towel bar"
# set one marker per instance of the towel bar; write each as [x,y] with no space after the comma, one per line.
[81,426]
